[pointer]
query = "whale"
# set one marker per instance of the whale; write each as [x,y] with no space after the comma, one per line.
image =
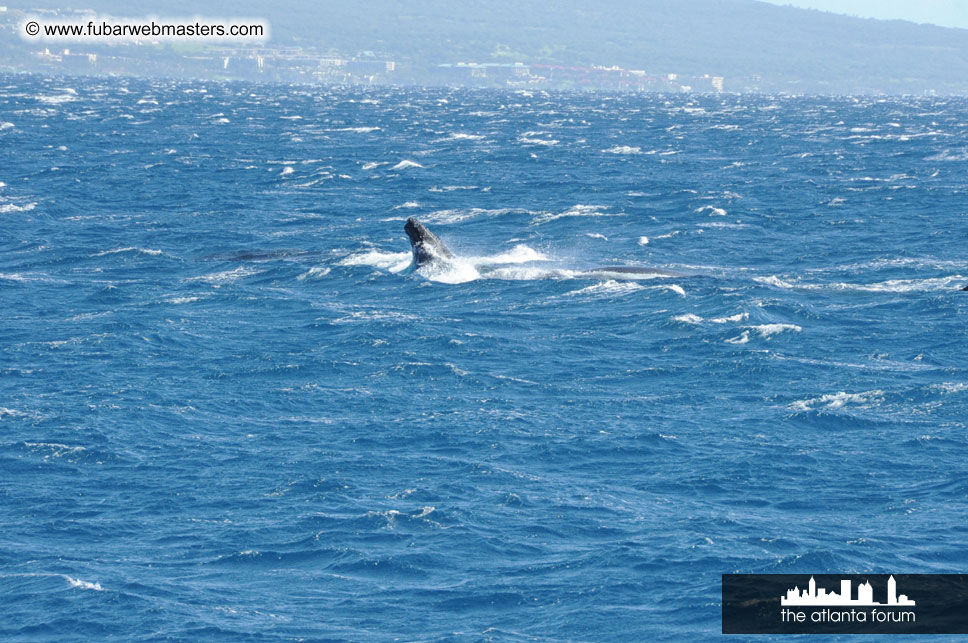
[426,247]
[429,249]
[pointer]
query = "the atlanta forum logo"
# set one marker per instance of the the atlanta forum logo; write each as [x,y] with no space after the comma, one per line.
[813,597]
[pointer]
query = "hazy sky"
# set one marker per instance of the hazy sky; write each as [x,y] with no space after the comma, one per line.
[948,13]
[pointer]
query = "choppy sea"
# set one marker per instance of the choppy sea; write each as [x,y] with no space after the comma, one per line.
[231,409]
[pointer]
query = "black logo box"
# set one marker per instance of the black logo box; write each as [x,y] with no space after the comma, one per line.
[751,605]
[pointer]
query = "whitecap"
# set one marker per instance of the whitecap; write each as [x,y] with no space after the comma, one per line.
[147,251]
[688,318]
[696,319]
[676,288]
[623,149]
[404,164]
[773,280]
[607,289]
[314,273]
[530,273]
[459,136]
[375,315]
[835,401]
[392,261]
[7,208]
[456,216]
[579,210]
[712,210]
[452,188]
[457,271]
[537,141]
[518,254]
[738,317]
[945,387]
[83,584]
[358,130]
[768,330]
[225,276]
[904,285]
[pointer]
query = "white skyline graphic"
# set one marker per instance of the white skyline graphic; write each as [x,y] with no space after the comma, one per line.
[813,595]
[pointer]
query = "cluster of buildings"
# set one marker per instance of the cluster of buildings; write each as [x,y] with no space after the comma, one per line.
[306,65]
[545,76]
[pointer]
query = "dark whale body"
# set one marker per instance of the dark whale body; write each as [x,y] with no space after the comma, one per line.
[426,247]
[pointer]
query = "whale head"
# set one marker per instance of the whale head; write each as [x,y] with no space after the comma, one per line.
[426,247]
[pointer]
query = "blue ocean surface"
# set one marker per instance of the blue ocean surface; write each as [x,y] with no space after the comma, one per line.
[232,409]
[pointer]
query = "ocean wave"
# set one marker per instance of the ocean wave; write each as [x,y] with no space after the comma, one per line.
[768,330]
[56,99]
[225,276]
[607,289]
[547,142]
[406,164]
[518,254]
[457,271]
[459,136]
[579,210]
[903,285]
[929,284]
[7,208]
[773,280]
[712,210]
[146,251]
[835,401]
[392,261]
[951,387]
[530,273]
[452,188]
[357,130]
[949,155]
[688,318]
[83,584]
[466,214]
[358,316]
[314,273]
[691,318]
[623,149]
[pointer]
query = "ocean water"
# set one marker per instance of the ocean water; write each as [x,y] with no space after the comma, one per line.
[230,409]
